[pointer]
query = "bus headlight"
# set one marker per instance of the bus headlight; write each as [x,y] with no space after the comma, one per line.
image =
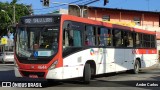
[53,65]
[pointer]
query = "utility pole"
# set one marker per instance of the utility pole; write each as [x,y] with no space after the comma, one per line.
[14,20]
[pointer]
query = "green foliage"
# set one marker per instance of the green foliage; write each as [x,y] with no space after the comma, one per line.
[6,14]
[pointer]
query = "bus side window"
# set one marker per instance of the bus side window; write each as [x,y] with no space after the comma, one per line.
[117,39]
[138,40]
[130,39]
[127,39]
[109,37]
[152,41]
[72,36]
[104,37]
[90,36]
[66,36]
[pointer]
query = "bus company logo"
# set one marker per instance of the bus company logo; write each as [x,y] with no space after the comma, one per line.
[92,52]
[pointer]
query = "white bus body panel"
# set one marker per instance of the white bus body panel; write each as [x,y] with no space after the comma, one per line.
[55,73]
[107,60]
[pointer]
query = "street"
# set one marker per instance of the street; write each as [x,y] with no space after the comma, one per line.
[122,80]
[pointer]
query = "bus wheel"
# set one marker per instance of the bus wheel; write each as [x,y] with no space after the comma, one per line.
[87,73]
[136,67]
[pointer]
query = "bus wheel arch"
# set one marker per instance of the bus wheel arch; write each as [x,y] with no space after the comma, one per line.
[89,71]
[138,59]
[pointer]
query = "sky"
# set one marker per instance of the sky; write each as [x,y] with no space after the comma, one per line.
[145,5]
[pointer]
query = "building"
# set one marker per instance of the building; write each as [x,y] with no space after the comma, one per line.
[147,20]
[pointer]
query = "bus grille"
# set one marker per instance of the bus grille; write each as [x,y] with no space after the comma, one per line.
[39,74]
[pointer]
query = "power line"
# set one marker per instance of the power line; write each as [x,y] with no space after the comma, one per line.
[91,2]
[85,2]
[60,5]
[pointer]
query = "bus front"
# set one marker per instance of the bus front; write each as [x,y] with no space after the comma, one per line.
[37,47]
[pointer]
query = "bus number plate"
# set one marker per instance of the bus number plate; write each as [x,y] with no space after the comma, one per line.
[33,76]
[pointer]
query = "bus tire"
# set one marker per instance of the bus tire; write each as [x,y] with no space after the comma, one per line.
[87,74]
[136,67]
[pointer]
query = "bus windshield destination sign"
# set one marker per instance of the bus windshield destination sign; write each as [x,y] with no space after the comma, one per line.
[38,20]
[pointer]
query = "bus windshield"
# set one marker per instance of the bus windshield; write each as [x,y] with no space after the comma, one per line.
[37,42]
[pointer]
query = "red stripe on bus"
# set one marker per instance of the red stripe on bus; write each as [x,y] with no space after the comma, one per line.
[144,51]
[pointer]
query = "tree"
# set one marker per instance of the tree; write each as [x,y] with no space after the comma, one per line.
[6,14]
[14,2]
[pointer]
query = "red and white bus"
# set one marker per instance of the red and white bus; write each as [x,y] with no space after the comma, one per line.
[64,46]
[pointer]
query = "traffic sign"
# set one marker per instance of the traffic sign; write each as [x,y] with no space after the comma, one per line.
[3,40]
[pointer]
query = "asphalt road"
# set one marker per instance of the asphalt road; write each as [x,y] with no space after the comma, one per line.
[118,81]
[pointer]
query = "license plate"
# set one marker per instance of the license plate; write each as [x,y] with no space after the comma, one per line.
[33,76]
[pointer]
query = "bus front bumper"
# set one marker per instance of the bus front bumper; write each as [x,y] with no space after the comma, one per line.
[56,73]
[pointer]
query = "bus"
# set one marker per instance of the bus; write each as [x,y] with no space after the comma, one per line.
[58,47]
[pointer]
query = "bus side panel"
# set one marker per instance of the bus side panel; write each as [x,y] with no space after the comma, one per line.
[103,58]
[106,60]
[55,73]
[148,57]
[129,59]
[119,59]
[74,64]
[148,60]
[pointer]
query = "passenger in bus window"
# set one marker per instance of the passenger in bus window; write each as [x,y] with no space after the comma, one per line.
[125,41]
[138,40]
[35,46]
[86,41]
[130,40]
[89,41]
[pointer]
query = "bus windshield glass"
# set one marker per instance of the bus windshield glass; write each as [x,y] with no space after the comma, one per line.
[33,42]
